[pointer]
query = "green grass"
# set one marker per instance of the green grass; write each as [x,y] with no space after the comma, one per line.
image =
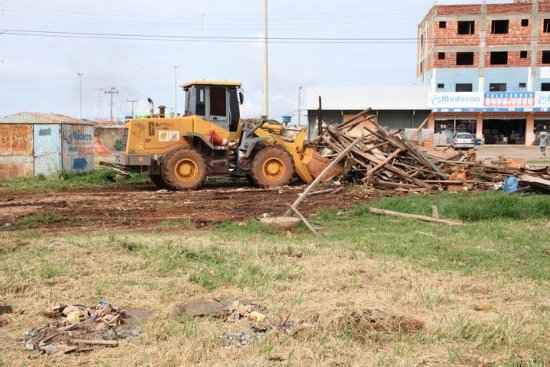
[70,181]
[39,219]
[504,233]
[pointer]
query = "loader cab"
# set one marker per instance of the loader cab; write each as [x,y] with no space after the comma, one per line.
[218,102]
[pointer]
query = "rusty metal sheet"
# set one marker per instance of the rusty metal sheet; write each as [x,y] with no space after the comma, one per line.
[15,166]
[109,142]
[16,140]
[78,148]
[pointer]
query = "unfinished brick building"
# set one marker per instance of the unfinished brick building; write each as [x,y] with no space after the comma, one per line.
[488,69]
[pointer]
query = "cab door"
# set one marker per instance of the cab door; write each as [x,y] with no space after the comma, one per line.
[218,102]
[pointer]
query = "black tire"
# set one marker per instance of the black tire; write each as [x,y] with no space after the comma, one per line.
[184,169]
[272,167]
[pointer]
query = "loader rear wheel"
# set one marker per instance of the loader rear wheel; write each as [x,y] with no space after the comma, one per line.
[184,169]
[272,167]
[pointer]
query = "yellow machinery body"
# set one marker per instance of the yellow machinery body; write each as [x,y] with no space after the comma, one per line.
[152,140]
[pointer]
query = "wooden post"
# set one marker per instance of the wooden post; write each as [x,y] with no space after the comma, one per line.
[319,178]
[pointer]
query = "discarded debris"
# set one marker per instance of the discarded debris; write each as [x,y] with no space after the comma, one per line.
[385,160]
[78,329]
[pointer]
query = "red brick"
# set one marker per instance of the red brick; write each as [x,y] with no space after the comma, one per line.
[458,10]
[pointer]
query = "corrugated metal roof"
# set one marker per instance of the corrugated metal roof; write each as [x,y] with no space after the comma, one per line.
[375,97]
[41,118]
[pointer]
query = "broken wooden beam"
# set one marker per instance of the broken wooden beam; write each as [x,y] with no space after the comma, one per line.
[415,216]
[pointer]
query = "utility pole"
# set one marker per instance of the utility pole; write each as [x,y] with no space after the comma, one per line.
[112,92]
[133,104]
[266,59]
[80,75]
[176,90]
[300,91]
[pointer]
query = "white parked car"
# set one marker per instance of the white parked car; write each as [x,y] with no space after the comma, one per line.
[464,141]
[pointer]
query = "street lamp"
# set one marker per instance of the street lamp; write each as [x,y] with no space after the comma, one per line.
[80,75]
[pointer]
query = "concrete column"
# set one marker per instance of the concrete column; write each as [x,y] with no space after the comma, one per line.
[530,129]
[479,126]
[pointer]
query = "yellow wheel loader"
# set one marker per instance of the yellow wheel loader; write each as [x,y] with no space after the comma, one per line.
[212,140]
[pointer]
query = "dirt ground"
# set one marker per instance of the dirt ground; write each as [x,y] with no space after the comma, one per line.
[144,206]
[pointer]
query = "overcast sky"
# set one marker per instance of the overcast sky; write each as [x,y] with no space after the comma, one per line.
[39,74]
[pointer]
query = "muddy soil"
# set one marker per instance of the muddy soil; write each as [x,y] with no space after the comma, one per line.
[144,207]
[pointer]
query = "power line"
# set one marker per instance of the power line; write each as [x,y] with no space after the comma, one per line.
[241,39]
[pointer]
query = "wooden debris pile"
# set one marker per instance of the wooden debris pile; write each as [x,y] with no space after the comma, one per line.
[386,161]
[77,329]
[382,158]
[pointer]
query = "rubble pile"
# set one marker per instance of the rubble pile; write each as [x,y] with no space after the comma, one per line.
[77,329]
[385,160]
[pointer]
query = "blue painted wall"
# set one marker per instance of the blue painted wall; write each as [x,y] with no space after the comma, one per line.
[451,77]
[511,76]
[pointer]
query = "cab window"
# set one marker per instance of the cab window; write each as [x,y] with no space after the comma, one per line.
[218,103]
[201,102]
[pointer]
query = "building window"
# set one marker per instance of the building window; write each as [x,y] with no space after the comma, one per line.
[464,87]
[464,58]
[523,54]
[466,27]
[500,26]
[522,85]
[497,87]
[525,22]
[547,26]
[499,58]
[442,24]
[441,55]
[546,57]
[440,86]
[545,87]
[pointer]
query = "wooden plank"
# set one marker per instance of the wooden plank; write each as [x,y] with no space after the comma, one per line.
[303,219]
[414,216]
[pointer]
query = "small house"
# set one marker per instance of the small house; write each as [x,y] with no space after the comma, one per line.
[38,144]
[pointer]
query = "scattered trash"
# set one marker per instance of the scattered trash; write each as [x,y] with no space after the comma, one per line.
[78,329]
[238,339]
[511,184]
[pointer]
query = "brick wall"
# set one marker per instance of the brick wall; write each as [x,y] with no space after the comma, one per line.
[517,34]
[514,59]
[450,60]
[449,36]
[458,10]
[508,8]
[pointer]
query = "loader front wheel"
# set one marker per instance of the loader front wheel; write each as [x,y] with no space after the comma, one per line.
[272,167]
[184,169]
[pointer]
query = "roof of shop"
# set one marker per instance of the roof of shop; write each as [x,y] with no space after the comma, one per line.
[41,118]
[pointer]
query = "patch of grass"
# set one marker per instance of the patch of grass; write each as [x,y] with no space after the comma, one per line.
[39,219]
[70,181]
[493,239]
[213,267]
[50,270]
[471,207]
